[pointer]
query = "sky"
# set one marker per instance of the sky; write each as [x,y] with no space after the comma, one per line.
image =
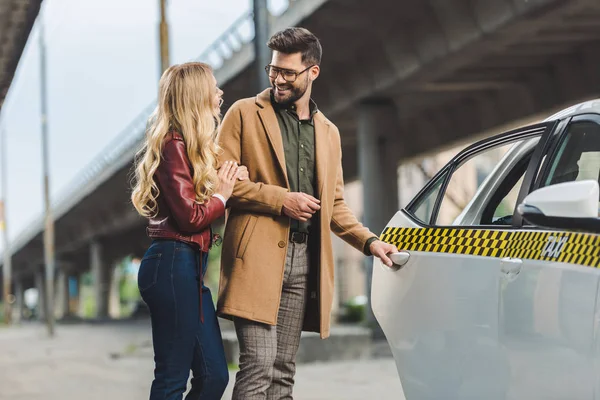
[103,70]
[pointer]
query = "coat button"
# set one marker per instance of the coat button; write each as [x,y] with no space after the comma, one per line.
[281,244]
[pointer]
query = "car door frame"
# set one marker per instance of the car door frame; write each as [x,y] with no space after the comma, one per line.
[546,129]
[556,143]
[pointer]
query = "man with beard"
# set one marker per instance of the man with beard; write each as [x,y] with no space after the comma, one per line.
[277,260]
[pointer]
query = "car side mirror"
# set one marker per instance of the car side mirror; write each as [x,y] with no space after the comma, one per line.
[568,206]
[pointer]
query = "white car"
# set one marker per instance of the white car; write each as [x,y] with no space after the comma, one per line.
[494,292]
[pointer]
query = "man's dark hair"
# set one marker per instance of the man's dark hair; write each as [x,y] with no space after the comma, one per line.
[298,40]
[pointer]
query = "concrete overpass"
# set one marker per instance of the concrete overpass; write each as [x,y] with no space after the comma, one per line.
[401,78]
[17,18]
[16,21]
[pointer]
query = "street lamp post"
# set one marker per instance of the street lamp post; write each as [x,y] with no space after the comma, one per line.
[48,218]
[261,51]
[164,37]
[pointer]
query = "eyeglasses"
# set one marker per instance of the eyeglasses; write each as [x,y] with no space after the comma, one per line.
[288,75]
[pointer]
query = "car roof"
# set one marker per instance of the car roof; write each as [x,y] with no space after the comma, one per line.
[587,107]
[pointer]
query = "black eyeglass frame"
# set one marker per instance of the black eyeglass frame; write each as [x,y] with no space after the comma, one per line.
[281,70]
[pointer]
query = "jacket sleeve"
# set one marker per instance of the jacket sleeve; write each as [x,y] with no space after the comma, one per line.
[175,181]
[343,222]
[247,195]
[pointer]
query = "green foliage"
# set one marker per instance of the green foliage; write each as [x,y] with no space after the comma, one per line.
[354,310]
[87,279]
[233,367]
[89,302]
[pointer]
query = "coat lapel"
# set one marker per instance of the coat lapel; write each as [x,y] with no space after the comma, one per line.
[322,150]
[271,125]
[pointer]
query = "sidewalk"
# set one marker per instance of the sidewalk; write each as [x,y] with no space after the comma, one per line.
[114,361]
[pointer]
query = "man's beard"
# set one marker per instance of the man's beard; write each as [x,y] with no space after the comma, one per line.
[295,93]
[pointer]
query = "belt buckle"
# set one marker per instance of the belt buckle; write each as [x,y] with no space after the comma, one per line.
[298,237]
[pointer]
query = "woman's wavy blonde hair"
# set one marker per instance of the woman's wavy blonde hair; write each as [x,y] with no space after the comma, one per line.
[185,104]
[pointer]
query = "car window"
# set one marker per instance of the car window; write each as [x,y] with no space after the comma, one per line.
[502,202]
[482,184]
[505,209]
[423,210]
[578,156]
[467,179]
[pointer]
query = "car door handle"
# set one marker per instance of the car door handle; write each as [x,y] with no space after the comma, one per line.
[511,266]
[399,259]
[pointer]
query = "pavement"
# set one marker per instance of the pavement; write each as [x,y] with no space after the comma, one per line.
[114,361]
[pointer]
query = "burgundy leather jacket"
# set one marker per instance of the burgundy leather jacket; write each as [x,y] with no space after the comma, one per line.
[179,216]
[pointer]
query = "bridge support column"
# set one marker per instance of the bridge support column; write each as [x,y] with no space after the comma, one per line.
[62,292]
[101,280]
[377,126]
[114,292]
[19,291]
[40,285]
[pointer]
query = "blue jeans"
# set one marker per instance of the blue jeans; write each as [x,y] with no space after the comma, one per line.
[169,282]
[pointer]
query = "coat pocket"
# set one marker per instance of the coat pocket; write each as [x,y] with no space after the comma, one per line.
[246,235]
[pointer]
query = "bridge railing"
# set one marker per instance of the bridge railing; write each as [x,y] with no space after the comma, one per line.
[232,40]
[237,35]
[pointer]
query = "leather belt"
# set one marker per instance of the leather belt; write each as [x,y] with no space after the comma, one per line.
[298,237]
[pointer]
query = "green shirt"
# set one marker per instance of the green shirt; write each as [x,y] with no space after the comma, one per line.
[299,148]
[299,151]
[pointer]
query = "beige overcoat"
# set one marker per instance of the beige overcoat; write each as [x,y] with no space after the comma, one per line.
[256,233]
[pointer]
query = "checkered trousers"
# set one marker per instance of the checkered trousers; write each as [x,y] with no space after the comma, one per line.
[268,353]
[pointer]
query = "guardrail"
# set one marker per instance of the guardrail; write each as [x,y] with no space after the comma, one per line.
[238,34]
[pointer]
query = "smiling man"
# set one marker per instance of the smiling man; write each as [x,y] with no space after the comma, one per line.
[277,259]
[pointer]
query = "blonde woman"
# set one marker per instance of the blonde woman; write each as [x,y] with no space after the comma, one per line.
[180,190]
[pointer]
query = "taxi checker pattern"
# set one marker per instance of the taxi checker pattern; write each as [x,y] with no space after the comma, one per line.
[574,248]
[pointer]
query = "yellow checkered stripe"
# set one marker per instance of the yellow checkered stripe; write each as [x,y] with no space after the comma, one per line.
[574,248]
